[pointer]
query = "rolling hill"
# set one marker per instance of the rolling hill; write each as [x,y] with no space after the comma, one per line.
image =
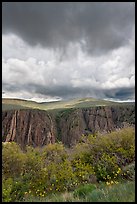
[13,104]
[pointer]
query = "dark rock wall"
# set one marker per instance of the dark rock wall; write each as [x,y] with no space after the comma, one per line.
[91,120]
[32,127]
[38,128]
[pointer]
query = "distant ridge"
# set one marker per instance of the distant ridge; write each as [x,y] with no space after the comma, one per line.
[13,104]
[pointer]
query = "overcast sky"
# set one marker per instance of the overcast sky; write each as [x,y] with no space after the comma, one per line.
[64,50]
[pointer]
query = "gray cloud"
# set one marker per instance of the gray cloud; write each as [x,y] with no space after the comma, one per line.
[69,92]
[66,50]
[99,27]
[120,93]
[79,76]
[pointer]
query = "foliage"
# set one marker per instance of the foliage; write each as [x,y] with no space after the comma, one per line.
[60,176]
[121,192]
[83,190]
[128,172]
[54,153]
[13,160]
[6,189]
[106,167]
[83,171]
[39,172]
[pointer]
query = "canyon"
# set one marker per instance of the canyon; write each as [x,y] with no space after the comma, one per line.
[39,127]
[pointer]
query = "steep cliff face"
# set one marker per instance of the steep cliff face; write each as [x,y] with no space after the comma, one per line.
[71,126]
[90,120]
[32,127]
[37,127]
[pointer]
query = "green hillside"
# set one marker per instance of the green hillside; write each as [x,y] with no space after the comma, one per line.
[11,104]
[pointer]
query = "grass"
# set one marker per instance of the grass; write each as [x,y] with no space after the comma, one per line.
[12,107]
[121,192]
[9,104]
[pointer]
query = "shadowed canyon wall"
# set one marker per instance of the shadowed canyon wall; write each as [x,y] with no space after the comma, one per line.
[38,127]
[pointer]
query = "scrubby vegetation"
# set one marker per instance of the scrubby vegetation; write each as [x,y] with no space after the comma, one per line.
[82,173]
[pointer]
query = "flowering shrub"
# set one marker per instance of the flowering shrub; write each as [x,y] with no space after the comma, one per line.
[13,160]
[6,189]
[106,167]
[60,176]
[53,168]
[83,171]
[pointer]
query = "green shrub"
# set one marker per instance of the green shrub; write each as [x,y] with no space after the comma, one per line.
[60,176]
[13,160]
[110,152]
[38,172]
[34,176]
[128,172]
[106,167]
[33,161]
[84,172]
[19,188]
[54,153]
[84,190]
[6,189]
[124,145]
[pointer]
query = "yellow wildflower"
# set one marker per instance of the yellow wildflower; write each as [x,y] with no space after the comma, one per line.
[107,183]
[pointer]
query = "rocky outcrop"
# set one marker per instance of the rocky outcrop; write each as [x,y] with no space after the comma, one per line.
[90,120]
[38,128]
[28,127]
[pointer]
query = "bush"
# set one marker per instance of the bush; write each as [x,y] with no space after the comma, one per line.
[54,153]
[60,176]
[38,172]
[106,167]
[110,152]
[19,188]
[13,160]
[6,189]
[84,172]
[84,190]
[128,172]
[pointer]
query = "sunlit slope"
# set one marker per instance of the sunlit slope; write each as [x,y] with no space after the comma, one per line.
[10,104]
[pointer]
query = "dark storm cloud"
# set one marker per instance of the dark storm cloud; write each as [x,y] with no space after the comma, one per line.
[66,92]
[69,92]
[84,50]
[60,91]
[120,93]
[15,88]
[99,27]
